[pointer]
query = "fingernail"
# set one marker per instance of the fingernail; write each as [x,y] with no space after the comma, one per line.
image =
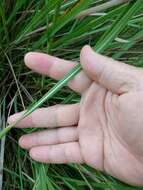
[28,58]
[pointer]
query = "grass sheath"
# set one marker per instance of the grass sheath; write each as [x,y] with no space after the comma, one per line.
[105,40]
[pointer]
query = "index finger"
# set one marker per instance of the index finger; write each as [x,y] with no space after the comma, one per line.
[56,68]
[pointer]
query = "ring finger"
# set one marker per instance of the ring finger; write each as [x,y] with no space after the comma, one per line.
[49,137]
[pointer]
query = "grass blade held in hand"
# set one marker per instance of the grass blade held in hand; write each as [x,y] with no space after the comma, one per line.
[48,95]
[101,45]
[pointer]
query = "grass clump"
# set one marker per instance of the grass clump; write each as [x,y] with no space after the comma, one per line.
[60,28]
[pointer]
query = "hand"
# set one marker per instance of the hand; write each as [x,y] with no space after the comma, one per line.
[105,130]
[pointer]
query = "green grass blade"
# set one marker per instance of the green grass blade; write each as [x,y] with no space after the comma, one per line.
[48,95]
[118,26]
[86,26]
[134,39]
[54,90]
[3,18]
[64,19]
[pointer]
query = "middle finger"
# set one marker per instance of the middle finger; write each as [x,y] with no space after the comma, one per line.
[54,116]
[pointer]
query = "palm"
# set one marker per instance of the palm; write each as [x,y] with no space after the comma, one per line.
[107,137]
[99,131]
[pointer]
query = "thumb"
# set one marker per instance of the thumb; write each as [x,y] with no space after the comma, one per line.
[113,75]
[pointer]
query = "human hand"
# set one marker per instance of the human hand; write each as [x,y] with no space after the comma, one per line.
[104,130]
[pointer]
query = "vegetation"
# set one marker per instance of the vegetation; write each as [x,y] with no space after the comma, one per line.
[60,28]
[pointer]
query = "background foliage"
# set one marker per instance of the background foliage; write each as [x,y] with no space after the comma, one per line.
[60,28]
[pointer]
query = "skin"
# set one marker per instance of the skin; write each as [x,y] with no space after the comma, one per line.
[105,130]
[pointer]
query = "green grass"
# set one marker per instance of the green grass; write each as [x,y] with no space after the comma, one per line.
[55,26]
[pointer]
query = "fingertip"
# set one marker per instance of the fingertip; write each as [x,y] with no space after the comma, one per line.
[39,62]
[29,58]
[39,154]
[88,59]
[86,47]
[23,123]
[12,119]
[84,50]
[34,153]
[87,55]
[22,142]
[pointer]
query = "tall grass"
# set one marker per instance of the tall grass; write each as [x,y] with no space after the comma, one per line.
[60,28]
